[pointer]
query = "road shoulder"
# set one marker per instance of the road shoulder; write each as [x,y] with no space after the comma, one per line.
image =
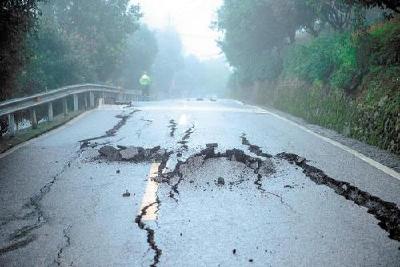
[379,155]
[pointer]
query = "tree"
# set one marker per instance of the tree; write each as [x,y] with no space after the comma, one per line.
[383,4]
[100,27]
[168,62]
[76,42]
[53,61]
[138,57]
[337,13]
[256,31]
[17,17]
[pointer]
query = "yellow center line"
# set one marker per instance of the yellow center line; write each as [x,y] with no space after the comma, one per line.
[150,195]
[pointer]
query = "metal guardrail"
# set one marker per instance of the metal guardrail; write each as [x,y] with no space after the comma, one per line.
[17,104]
[88,91]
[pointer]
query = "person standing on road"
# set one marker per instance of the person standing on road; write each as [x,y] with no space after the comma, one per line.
[145,83]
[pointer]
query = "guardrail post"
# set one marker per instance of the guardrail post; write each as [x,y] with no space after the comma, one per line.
[86,101]
[65,106]
[50,112]
[76,103]
[102,99]
[34,118]
[91,99]
[12,128]
[120,97]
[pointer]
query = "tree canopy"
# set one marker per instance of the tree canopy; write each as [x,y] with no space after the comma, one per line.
[16,19]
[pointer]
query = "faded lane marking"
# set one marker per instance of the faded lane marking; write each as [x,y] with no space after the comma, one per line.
[150,195]
[373,163]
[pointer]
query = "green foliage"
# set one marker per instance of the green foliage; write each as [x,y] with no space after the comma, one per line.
[53,63]
[374,115]
[385,43]
[256,31]
[75,42]
[17,17]
[201,78]
[168,62]
[383,4]
[331,59]
[139,55]
[101,28]
[337,13]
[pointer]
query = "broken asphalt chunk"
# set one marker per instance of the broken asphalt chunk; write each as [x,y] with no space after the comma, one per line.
[110,152]
[130,153]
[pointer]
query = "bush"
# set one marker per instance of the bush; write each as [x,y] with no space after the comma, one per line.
[331,59]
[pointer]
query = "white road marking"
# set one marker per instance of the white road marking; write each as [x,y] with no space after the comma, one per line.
[150,195]
[355,153]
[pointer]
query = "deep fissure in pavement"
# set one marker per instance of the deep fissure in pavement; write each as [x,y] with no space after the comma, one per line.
[172,126]
[259,166]
[254,148]
[387,213]
[109,133]
[23,236]
[140,154]
[185,139]
[150,232]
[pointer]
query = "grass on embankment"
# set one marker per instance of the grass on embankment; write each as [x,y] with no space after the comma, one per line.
[347,82]
[24,135]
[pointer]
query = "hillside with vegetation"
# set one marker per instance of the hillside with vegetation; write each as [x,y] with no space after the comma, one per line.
[334,63]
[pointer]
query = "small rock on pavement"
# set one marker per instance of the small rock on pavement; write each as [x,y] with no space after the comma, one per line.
[212,145]
[126,194]
[221,181]
[129,153]
[110,152]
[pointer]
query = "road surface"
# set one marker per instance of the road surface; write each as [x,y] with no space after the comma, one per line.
[194,183]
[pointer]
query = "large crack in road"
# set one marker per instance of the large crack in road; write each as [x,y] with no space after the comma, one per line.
[109,133]
[173,127]
[262,165]
[24,235]
[150,232]
[387,213]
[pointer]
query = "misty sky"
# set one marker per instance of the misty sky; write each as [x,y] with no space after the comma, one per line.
[191,18]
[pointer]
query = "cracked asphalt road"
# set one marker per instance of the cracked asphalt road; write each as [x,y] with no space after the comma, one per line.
[234,186]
